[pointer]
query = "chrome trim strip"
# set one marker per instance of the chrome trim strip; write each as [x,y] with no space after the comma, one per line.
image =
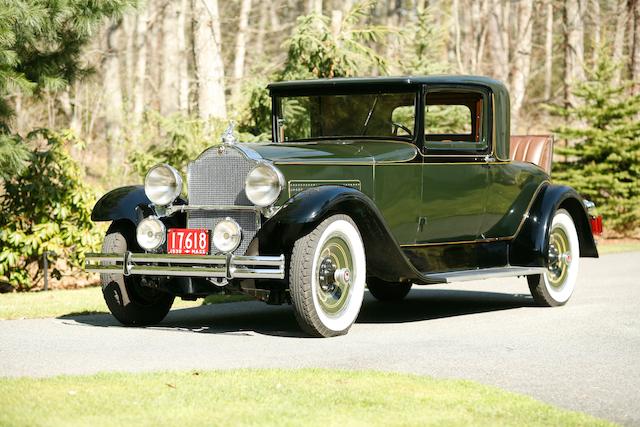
[185,208]
[218,266]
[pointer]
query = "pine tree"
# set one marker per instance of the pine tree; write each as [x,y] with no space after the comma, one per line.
[40,46]
[603,155]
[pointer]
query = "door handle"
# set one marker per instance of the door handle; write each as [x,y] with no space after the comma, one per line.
[422,221]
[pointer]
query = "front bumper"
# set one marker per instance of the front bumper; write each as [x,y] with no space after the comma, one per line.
[211,266]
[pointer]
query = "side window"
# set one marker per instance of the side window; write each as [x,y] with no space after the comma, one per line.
[455,120]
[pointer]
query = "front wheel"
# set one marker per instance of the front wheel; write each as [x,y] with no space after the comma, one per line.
[327,277]
[130,303]
[556,285]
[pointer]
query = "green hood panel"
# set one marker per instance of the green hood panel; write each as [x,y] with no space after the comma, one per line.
[336,152]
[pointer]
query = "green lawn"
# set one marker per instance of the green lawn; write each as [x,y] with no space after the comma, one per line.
[617,247]
[58,303]
[270,397]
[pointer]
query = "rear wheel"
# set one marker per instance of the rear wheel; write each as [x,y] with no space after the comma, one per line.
[327,277]
[129,301]
[556,285]
[385,291]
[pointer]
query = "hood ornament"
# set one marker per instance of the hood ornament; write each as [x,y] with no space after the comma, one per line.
[228,138]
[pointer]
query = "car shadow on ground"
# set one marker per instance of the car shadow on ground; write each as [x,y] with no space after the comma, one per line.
[249,318]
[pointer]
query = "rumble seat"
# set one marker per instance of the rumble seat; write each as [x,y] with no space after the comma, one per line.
[536,149]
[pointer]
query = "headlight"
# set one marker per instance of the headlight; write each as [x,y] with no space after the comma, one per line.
[263,185]
[227,235]
[150,233]
[162,184]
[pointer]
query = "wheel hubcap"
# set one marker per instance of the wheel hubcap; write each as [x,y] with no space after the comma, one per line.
[559,256]
[334,274]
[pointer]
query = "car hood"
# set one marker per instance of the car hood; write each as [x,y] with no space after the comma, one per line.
[361,151]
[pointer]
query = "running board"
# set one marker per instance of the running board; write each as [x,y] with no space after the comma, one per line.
[485,273]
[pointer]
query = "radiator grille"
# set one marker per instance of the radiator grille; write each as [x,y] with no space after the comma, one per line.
[217,178]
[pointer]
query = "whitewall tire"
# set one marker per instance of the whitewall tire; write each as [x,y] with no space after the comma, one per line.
[557,284]
[327,277]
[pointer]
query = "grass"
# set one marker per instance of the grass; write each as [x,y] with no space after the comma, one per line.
[69,302]
[270,397]
[614,247]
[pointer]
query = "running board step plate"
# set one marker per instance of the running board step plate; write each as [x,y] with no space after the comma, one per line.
[485,273]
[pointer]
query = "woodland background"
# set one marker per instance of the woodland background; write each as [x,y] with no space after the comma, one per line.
[95,92]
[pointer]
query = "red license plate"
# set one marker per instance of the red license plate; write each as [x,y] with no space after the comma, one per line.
[188,241]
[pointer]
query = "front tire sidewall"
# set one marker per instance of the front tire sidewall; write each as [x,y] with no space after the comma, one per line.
[304,278]
[348,315]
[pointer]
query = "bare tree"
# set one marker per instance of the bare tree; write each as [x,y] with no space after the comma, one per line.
[574,47]
[171,59]
[521,59]
[208,59]
[262,27]
[499,38]
[548,51]
[314,6]
[141,66]
[597,30]
[113,98]
[241,46]
[183,77]
[634,6]
[618,38]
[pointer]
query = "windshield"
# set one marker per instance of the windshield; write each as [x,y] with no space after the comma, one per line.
[378,115]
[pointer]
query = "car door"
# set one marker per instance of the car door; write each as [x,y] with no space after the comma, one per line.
[455,175]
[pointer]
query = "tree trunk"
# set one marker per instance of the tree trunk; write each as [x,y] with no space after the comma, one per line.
[241,45]
[499,37]
[521,60]
[141,67]
[314,6]
[548,52]
[113,100]
[597,30]
[171,59]
[574,48]
[129,30]
[208,59]
[262,27]
[635,46]
[455,15]
[618,40]
[183,76]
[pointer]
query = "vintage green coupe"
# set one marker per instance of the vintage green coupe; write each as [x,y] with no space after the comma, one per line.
[374,182]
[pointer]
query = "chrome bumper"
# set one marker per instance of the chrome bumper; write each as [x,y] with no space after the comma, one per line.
[214,266]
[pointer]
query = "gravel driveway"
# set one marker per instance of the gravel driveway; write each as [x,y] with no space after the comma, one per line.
[584,356]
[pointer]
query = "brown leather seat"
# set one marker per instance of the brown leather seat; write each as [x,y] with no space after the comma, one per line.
[536,149]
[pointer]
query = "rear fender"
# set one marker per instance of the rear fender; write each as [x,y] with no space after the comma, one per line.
[304,211]
[530,246]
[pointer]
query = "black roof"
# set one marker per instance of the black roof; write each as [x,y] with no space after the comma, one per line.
[397,82]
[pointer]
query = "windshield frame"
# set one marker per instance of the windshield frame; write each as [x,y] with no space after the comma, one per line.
[276,112]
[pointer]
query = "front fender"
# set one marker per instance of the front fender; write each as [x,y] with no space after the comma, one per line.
[530,246]
[127,203]
[304,211]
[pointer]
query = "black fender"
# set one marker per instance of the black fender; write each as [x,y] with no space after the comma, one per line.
[131,204]
[304,211]
[530,246]
[128,203]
